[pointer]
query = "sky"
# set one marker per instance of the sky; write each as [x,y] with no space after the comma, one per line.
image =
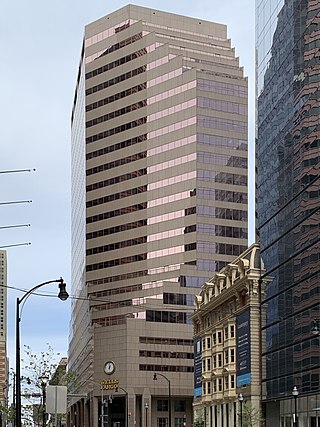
[40,51]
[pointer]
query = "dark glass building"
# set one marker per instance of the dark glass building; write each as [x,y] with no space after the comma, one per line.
[288,160]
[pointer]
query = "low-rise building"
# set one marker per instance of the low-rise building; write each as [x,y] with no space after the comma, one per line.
[227,344]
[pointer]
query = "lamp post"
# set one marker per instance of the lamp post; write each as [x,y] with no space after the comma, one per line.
[63,295]
[127,412]
[295,393]
[43,383]
[169,394]
[146,405]
[240,398]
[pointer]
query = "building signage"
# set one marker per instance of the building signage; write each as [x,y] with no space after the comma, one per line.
[243,348]
[109,384]
[197,367]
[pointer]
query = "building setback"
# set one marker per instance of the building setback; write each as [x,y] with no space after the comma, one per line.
[227,332]
[288,151]
[159,203]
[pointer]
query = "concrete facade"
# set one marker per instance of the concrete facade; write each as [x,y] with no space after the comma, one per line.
[230,359]
[159,203]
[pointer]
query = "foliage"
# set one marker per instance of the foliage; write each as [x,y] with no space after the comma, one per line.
[198,423]
[251,416]
[9,411]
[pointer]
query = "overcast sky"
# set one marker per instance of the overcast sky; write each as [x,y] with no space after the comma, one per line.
[40,50]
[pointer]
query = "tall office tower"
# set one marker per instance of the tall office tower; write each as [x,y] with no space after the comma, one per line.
[159,143]
[288,151]
[3,330]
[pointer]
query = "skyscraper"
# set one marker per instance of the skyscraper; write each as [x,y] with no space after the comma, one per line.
[159,203]
[288,150]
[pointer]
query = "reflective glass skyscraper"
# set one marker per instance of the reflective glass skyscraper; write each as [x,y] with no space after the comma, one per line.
[159,203]
[288,160]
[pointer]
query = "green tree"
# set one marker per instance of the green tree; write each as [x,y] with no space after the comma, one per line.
[251,417]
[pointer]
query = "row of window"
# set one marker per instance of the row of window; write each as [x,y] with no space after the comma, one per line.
[117,146]
[220,248]
[222,141]
[117,245]
[178,406]
[117,212]
[206,265]
[116,196]
[223,88]
[116,113]
[116,179]
[116,96]
[165,341]
[118,278]
[222,124]
[116,80]
[222,177]
[116,163]
[116,229]
[165,368]
[218,337]
[115,291]
[219,105]
[178,299]
[223,213]
[113,48]
[219,385]
[166,354]
[225,195]
[217,360]
[116,130]
[116,262]
[167,317]
[223,160]
[116,63]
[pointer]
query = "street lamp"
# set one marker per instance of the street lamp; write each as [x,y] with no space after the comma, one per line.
[240,398]
[63,295]
[295,393]
[169,385]
[146,405]
[43,383]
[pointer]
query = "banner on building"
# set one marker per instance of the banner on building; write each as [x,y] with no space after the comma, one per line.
[197,367]
[243,348]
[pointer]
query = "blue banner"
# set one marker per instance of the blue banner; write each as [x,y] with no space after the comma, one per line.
[197,367]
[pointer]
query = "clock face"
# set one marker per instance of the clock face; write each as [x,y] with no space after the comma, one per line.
[109,367]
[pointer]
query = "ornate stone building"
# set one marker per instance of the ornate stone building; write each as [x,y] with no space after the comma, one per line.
[227,343]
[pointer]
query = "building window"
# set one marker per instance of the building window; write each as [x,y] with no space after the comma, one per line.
[204,388]
[219,337]
[209,364]
[232,331]
[219,384]
[204,365]
[226,335]
[209,387]
[214,339]
[162,422]
[219,360]
[208,343]
[180,406]
[179,422]
[232,355]
[162,405]
[226,357]
[232,381]
[226,382]
[214,385]
[214,361]
[203,344]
